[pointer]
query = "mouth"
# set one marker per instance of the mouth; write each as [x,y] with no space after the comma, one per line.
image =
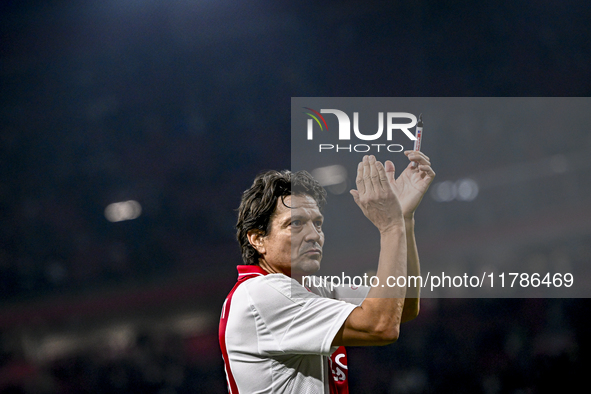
[313,252]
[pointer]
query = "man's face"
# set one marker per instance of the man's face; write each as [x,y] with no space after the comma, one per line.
[293,246]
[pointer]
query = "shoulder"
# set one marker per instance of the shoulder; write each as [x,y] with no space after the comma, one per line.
[319,285]
[276,287]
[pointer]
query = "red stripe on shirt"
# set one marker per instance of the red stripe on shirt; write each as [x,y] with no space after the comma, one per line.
[339,379]
[244,272]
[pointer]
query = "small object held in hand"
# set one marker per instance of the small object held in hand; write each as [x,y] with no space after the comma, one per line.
[419,135]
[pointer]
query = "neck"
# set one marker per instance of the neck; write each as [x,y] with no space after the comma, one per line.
[272,270]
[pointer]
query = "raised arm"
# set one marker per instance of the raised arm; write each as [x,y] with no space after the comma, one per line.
[377,320]
[410,187]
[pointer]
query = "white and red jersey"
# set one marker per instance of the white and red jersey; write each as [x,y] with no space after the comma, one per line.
[276,335]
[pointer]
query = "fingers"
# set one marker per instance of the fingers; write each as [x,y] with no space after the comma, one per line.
[374,175]
[371,176]
[426,171]
[363,180]
[359,180]
[367,175]
[417,157]
[382,176]
[378,179]
[421,163]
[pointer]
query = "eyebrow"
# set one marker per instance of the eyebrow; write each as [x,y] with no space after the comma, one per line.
[299,217]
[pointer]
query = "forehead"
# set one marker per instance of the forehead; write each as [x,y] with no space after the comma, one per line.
[300,205]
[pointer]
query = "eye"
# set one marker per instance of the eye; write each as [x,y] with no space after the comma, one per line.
[318,223]
[296,223]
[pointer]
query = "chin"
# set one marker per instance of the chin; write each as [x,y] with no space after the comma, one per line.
[307,267]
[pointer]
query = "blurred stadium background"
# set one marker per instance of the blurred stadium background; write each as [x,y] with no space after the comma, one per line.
[129,128]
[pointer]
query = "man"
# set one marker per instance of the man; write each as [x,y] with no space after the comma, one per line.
[276,335]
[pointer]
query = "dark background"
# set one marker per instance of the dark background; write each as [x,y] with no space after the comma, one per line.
[179,104]
[509,198]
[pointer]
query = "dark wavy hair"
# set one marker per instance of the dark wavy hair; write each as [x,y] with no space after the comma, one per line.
[259,201]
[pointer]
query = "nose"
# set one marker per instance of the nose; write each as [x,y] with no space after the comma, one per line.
[313,234]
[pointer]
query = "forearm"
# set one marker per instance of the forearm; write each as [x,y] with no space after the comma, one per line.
[392,263]
[383,305]
[412,302]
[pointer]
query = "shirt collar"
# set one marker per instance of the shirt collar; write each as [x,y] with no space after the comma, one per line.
[244,270]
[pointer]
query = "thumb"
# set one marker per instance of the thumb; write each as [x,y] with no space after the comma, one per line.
[390,171]
[355,195]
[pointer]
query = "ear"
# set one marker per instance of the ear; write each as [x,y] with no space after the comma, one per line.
[256,239]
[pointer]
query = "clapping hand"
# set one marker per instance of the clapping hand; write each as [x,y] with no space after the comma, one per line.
[412,184]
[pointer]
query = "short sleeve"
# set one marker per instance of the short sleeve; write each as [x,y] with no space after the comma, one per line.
[346,292]
[353,294]
[291,319]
